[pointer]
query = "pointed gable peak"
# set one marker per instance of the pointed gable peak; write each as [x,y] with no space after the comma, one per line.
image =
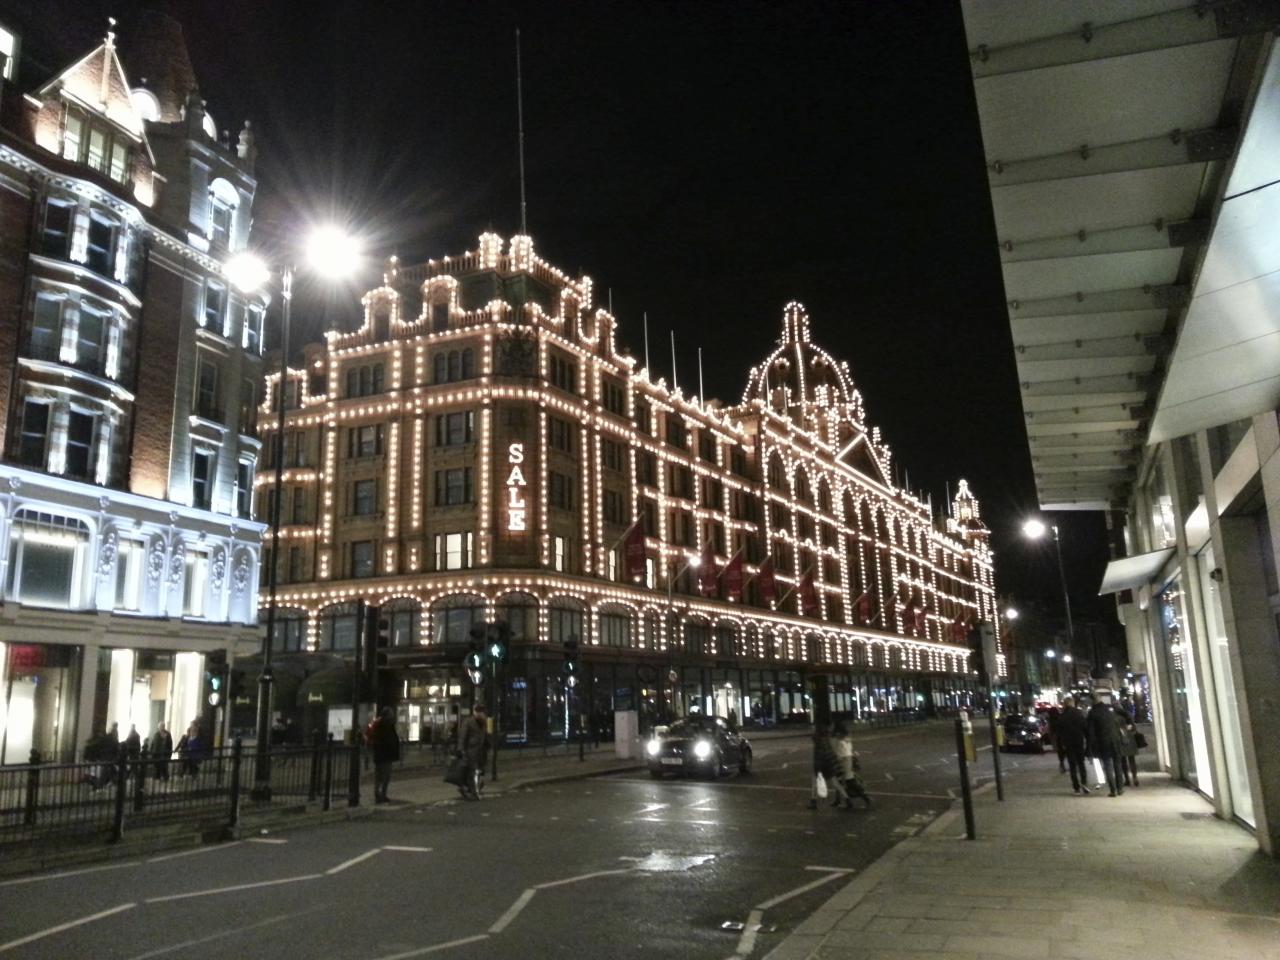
[98,82]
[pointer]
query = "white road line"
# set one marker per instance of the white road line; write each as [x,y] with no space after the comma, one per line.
[918,796]
[191,853]
[65,926]
[831,869]
[889,777]
[651,807]
[239,886]
[352,862]
[805,888]
[423,951]
[920,768]
[951,792]
[223,934]
[69,873]
[273,839]
[747,942]
[513,911]
[409,849]
[585,876]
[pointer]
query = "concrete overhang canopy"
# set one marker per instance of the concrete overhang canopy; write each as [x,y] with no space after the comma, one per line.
[1106,144]
[1129,572]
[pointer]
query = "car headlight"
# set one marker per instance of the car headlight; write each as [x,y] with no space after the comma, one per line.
[702,749]
[652,748]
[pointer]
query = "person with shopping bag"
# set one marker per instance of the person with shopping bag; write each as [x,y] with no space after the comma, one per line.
[824,765]
[848,766]
[1071,739]
[1105,742]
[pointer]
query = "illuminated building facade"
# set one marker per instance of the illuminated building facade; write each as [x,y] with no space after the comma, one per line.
[479,449]
[128,554]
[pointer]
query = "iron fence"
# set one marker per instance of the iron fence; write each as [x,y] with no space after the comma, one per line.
[101,800]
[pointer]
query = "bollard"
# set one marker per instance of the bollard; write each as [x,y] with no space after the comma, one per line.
[964,751]
[33,788]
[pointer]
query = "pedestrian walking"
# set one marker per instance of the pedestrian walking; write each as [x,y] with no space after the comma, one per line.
[1071,738]
[1055,716]
[473,745]
[133,743]
[824,764]
[1103,731]
[191,750]
[385,744]
[161,751]
[841,766]
[1128,746]
[848,765]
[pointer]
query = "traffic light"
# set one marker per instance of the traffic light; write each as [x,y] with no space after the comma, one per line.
[215,668]
[237,690]
[570,666]
[499,638]
[382,643]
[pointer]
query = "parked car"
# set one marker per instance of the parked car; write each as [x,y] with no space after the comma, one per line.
[1023,732]
[698,745]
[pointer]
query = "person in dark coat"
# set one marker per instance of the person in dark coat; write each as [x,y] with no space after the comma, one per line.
[161,751]
[1054,715]
[473,744]
[385,743]
[1128,746]
[1071,738]
[1105,741]
[824,761]
[133,743]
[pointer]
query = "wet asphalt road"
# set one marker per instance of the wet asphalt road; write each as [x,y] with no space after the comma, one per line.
[616,866]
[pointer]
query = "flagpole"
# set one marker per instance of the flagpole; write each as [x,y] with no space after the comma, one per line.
[675,382]
[701,395]
[646,342]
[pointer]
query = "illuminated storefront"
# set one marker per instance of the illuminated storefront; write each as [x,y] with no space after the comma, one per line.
[479,449]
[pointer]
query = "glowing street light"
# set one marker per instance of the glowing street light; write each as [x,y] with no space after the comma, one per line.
[1011,613]
[1034,529]
[1051,653]
[332,255]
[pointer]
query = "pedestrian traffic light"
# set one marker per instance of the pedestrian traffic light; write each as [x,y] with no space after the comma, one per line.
[570,666]
[473,663]
[237,689]
[499,634]
[382,643]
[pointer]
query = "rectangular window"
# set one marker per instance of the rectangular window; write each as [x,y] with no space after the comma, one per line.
[439,317]
[707,446]
[365,441]
[35,434]
[251,336]
[90,337]
[560,435]
[248,407]
[72,135]
[202,479]
[453,551]
[364,499]
[129,556]
[79,460]
[649,517]
[195,583]
[677,435]
[644,419]
[244,488]
[560,554]
[101,244]
[615,630]
[96,156]
[362,558]
[299,511]
[207,400]
[615,397]
[561,495]
[119,169]
[215,305]
[46,328]
[297,567]
[613,507]
[564,373]
[455,429]
[57,229]
[612,455]
[220,222]
[453,487]
[647,468]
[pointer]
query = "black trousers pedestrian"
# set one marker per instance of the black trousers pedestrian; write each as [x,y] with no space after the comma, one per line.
[1075,763]
[1062,753]
[381,778]
[1111,761]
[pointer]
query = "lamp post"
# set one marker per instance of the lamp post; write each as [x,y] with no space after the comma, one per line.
[330,253]
[1034,529]
[691,563]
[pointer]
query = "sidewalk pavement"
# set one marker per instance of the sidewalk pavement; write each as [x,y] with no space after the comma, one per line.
[1149,874]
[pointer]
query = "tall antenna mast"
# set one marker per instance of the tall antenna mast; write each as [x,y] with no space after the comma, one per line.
[646,340]
[701,394]
[675,381]
[524,221]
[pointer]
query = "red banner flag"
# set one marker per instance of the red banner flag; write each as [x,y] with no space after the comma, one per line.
[707,572]
[808,594]
[733,578]
[633,556]
[768,583]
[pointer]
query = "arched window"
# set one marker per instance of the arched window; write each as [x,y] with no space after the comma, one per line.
[455,366]
[777,479]
[726,637]
[405,617]
[649,636]
[564,620]
[520,612]
[289,633]
[453,617]
[697,637]
[824,497]
[338,627]
[468,363]
[803,493]
[223,201]
[615,627]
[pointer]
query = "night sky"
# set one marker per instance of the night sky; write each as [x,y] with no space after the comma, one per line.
[705,161]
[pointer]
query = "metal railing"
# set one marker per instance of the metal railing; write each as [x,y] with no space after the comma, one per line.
[101,800]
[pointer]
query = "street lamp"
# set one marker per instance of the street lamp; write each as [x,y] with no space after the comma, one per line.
[1034,529]
[330,254]
[1011,613]
[690,563]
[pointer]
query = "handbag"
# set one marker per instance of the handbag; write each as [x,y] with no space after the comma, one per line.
[456,773]
[1139,739]
[820,786]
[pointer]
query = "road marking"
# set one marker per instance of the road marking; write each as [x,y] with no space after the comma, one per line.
[585,876]
[804,888]
[951,792]
[918,796]
[747,942]
[409,849]
[513,911]
[223,934]
[277,839]
[233,889]
[889,777]
[651,807]
[70,873]
[831,869]
[65,926]
[920,768]
[352,862]
[191,853]
[423,951]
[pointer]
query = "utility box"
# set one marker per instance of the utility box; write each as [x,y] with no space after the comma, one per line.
[626,734]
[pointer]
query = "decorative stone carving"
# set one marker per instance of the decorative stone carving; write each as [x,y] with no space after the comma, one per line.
[107,555]
[177,563]
[155,562]
[240,575]
[218,568]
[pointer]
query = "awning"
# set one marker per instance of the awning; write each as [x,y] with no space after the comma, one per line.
[1129,572]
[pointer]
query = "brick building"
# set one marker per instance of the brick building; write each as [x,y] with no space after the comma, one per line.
[128,555]
[479,450]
